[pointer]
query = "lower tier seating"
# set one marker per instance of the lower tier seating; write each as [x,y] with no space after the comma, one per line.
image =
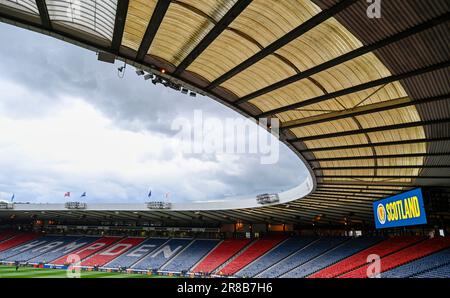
[302,256]
[132,256]
[160,256]
[440,272]
[190,256]
[403,256]
[280,252]
[382,249]
[87,250]
[254,251]
[111,252]
[334,255]
[16,240]
[224,251]
[419,266]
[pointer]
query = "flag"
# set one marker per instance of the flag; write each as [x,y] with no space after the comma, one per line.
[67,194]
[149,193]
[167,195]
[83,194]
[12,198]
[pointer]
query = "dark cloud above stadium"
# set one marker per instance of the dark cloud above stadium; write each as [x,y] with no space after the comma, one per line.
[68,123]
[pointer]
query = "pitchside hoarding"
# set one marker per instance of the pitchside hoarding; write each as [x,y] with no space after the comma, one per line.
[405,209]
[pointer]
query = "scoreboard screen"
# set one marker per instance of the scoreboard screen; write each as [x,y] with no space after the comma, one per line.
[405,209]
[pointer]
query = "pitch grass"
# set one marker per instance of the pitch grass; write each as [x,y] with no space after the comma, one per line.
[30,272]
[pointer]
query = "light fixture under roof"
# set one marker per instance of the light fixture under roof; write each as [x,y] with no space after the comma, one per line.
[148,76]
[192,94]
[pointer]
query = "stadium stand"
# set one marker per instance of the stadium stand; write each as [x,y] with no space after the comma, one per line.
[190,255]
[382,249]
[88,250]
[334,255]
[302,256]
[440,272]
[39,247]
[23,248]
[4,235]
[128,259]
[161,255]
[224,251]
[69,243]
[403,256]
[275,255]
[16,240]
[419,266]
[251,253]
[111,252]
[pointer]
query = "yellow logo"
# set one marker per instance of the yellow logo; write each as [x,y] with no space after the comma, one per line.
[381,213]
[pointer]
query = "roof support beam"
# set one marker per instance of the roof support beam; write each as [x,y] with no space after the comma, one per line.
[357,88]
[43,13]
[224,22]
[152,28]
[370,130]
[350,55]
[290,36]
[406,155]
[383,176]
[362,110]
[119,25]
[379,144]
[384,167]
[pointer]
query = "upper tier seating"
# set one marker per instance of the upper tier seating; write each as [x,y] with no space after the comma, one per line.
[421,265]
[254,251]
[302,256]
[382,249]
[38,247]
[15,241]
[111,252]
[161,255]
[334,255]
[70,244]
[224,251]
[280,252]
[190,256]
[132,256]
[403,256]
[88,250]
[440,272]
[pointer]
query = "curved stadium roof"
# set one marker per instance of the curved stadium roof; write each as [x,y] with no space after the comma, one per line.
[364,102]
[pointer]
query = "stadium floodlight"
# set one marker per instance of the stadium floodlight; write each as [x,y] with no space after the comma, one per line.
[140,72]
[192,94]
[184,90]
[148,76]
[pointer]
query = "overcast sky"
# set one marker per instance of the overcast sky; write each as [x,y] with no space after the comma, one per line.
[68,123]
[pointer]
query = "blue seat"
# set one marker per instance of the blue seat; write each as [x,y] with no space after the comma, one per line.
[332,256]
[280,252]
[302,256]
[418,266]
[130,258]
[191,255]
[161,255]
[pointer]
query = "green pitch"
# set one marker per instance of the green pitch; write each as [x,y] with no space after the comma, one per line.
[29,272]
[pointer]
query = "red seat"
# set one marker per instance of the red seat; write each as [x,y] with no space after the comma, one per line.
[256,249]
[225,250]
[111,252]
[405,255]
[382,249]
[17,240]
[89,249]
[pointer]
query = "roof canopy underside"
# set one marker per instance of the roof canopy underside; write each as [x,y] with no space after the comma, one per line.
[364,102]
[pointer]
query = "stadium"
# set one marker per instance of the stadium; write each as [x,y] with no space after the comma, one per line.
[360,90]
